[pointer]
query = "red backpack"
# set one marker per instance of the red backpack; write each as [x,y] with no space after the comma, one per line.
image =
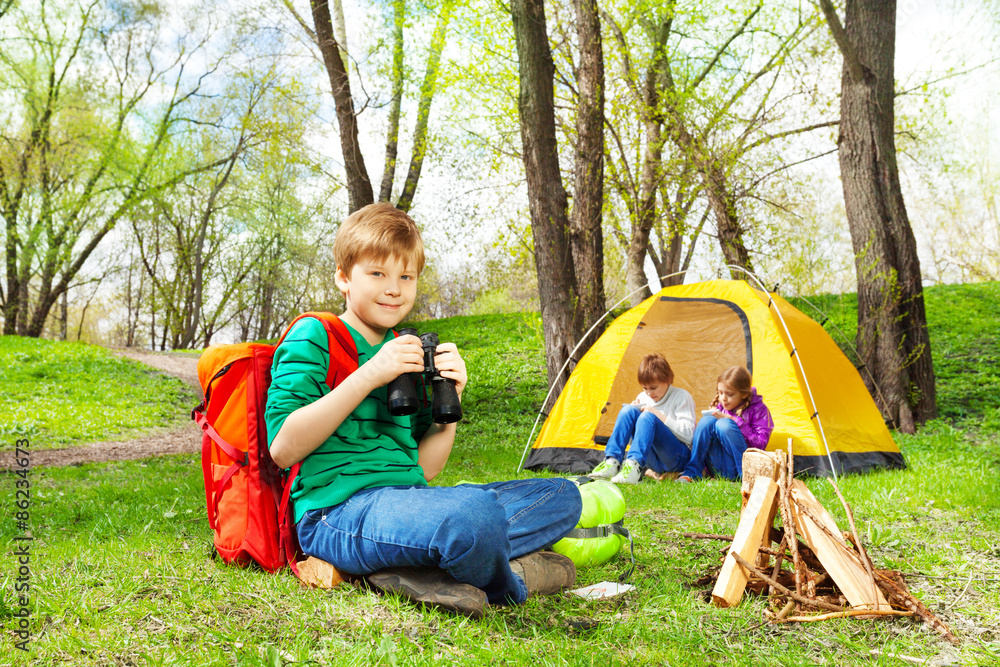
[247,494]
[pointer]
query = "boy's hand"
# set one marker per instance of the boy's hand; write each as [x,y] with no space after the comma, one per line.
[401,355]
[451,365]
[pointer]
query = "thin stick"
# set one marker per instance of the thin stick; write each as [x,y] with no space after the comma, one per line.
[844,614]
[897,593]
[931,576]
[778,559]
[902,658]
[857,542]
[962,594]
[792,594]
[785,611]
[707,536]
[793,540]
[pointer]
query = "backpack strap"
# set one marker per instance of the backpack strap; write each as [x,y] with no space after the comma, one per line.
[285,525]
[616,528]
[239,458]
[343,362]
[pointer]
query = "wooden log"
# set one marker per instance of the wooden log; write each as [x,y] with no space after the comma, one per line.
[750,535]
[758,463]
[865,559]
[842,565]
[762,559]
[319,574]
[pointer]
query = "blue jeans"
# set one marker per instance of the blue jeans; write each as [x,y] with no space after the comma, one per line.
[718,444]
[654,445]
[471,531]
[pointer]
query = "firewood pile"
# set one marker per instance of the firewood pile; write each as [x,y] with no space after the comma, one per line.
[807,568]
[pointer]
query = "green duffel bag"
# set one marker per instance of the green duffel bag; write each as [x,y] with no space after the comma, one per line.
[599,535]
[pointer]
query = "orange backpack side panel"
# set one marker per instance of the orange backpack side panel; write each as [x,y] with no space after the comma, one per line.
[246,493]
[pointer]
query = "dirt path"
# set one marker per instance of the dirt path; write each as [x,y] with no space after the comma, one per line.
[179,440]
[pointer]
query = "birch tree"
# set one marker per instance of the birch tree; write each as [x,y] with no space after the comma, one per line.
[709,91]
[333,49]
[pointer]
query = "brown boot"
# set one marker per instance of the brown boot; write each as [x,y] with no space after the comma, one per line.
[544,572]
[431,586]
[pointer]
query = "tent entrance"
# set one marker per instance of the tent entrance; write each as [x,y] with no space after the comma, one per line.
[699,337]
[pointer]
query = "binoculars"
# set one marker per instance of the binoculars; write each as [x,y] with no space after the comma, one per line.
[402,392]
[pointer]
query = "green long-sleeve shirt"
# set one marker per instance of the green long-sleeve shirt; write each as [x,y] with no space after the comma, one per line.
[371,448]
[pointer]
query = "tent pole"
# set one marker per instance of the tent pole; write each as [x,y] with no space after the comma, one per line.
[819,422]
[527,445]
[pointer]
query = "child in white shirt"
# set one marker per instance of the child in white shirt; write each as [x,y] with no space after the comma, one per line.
[659,423]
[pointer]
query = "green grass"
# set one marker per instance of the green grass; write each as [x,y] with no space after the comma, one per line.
[123,573]
[60,394]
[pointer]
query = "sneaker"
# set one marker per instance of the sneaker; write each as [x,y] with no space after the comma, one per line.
[631,473]
[606,470]
[431,586]
[544,572]
[684,479]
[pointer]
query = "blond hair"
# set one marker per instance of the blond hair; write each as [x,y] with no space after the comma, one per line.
[738,379]
[377,232]
[654,367]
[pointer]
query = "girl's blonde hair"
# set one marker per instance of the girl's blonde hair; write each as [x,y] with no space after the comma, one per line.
[738,379]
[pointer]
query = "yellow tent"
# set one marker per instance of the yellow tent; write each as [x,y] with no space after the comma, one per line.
[815,395]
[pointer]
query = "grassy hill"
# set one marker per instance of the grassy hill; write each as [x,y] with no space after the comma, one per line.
[62,394]
[122,569]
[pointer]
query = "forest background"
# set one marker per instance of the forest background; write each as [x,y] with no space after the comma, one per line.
[173,175]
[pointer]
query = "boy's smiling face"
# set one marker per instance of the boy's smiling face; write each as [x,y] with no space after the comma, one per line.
[379,294]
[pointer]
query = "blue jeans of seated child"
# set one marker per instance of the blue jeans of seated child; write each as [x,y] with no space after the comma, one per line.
[719,444]
[654,445]
[471,531]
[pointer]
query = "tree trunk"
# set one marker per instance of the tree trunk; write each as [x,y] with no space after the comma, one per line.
[546,195]
[713,175]
[586,236]
[392,136]
[648,216]
[64,316]
[892,326]
[727,224]
[340,34]
[198,263]
[641,199]
[720,201]
[12,302]
[359,186]
[424,107]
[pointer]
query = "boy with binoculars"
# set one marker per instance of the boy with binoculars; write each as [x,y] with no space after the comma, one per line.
[362,500]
